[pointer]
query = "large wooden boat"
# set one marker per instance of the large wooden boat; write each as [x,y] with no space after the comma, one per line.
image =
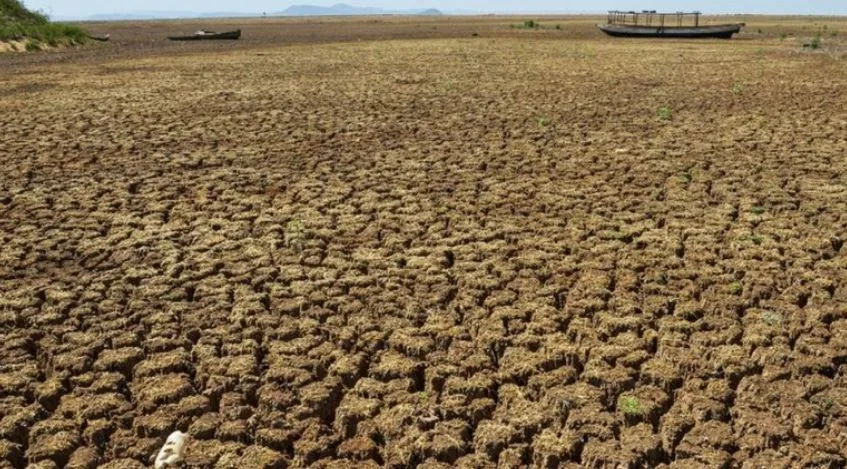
[651,24]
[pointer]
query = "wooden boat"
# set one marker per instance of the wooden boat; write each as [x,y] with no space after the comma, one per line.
[207,35]
[99,38]
[652,24]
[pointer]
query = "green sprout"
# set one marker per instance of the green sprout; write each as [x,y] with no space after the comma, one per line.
[735,288]
[630,405]
[755,239]
[295,233]
[771,318]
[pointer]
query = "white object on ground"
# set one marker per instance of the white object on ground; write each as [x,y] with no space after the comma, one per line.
[171,453]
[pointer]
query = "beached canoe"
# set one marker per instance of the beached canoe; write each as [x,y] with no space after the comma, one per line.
[207,35]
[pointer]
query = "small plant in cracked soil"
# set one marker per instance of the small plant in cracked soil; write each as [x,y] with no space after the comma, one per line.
[543,122]
[823,404]
[755,239]
[686,178]
[617,235]
[757,210]
[771,318]
[665,113]
[630,405]
[735,288]
[295,234]
[815,43]
[827,404]
[738,88]
[662,279]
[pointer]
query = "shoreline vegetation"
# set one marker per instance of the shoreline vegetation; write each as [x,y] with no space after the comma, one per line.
[30,30]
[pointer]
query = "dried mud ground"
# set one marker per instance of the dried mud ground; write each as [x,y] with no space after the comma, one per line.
[454,252]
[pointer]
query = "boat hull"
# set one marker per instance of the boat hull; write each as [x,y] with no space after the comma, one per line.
[229,35]
[721,31]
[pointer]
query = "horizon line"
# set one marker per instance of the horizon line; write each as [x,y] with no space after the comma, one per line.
[163,14]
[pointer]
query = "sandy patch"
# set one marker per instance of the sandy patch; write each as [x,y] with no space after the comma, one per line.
[12,46]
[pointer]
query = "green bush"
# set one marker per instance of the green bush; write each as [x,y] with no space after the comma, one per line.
[14,10]
[51,33]
[527,24]
[18,23]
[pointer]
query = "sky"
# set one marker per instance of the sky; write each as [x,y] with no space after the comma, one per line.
[84,8]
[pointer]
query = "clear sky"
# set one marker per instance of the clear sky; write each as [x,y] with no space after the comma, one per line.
[84,8]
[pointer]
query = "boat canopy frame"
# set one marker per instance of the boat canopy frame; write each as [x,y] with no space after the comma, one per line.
[647,17]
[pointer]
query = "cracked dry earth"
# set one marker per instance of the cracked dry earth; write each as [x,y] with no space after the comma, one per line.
[447,253]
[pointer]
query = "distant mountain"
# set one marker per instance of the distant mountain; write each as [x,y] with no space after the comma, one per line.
[431,12]
[342,9]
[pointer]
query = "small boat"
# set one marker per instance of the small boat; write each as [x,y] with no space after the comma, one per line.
[207,35]
[99,38]
[648,23]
